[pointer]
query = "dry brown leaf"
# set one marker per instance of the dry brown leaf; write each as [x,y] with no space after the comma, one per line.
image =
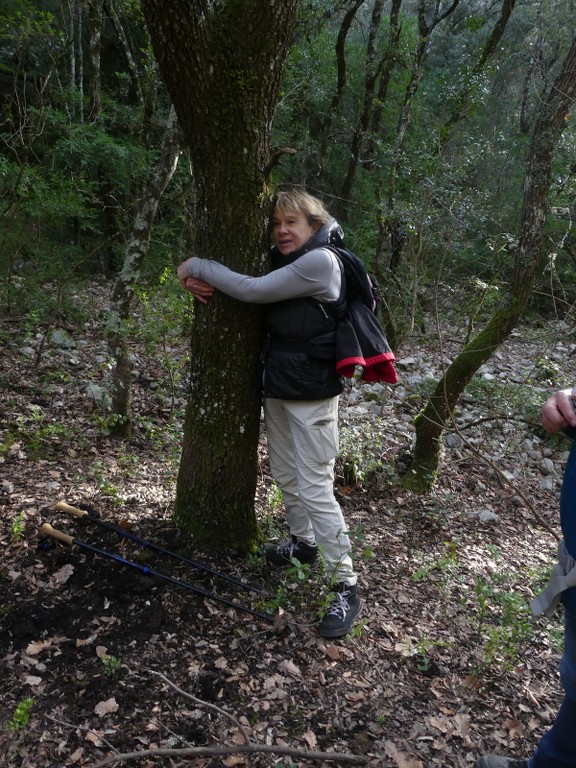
[106,707]
[37,646]
[332,652]
[404,761]
[462,725]
[514,727]
[310,739]
[94,738]
[355,697]
[288,667]
[61,576]
[77,755]
[231,761]
[32,680]
[85,640]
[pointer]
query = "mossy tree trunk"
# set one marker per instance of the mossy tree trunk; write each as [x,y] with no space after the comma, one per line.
[222,64]
[430,423]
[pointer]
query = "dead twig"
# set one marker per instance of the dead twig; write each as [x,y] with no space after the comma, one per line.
[85,728]
[337,757]
[201,703]
[250,747]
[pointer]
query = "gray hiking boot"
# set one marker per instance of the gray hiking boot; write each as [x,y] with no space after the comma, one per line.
[497,761]
[282,554]
[345,606]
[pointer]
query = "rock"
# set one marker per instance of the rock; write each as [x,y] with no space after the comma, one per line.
[547,467]
[547,483]
[353,412]
[406,362]
[97,394]
[453,441]
[61,338]
[486,515]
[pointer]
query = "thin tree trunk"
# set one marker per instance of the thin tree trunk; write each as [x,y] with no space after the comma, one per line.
[459,111]
[325,124]
[430,424]
[95,21]
[135,253]
[426,29]
[392,230]
[387,67]
[129,56]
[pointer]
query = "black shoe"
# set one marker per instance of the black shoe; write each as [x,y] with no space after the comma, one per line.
[282,554]
[345,606]
[497,761]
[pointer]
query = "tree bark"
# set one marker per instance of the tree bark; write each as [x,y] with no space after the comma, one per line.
[222,64]
[430,424]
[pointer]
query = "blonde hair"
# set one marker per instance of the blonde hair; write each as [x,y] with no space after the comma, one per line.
[302,202]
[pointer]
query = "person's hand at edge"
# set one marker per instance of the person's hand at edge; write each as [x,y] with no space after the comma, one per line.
[559,411]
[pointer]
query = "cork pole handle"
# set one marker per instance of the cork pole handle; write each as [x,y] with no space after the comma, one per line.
[61,505]
[47,530]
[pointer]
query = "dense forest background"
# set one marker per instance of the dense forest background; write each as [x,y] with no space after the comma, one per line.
[410,119]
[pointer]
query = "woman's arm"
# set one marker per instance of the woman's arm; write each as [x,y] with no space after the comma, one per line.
[316,274]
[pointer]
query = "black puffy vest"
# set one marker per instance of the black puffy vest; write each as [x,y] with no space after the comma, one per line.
[300,348]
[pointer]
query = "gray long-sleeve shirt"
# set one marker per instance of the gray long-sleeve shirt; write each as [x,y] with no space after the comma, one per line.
[316,273]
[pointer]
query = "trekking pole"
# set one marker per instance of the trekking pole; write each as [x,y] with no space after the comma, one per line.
[47,530]
[85,515]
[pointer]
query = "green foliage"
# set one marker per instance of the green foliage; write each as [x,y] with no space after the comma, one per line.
[516,400]
[360,456]
[68,184]
[99,473]
[18,528]
[274,498]
[21,715]
[358,538]
[444,564]
[503,622]
[22,23]
[111,665]
[297,589]
[39,433]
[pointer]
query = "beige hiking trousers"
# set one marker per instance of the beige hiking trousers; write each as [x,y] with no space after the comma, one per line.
[302,446]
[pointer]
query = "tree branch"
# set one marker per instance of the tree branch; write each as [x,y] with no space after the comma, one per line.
[276,158]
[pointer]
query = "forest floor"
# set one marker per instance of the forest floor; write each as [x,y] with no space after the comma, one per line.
[99,660]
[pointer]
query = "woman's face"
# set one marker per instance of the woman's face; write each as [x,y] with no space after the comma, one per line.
[291,230]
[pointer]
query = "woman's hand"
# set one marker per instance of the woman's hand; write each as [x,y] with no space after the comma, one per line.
[199,289]
[559,411]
